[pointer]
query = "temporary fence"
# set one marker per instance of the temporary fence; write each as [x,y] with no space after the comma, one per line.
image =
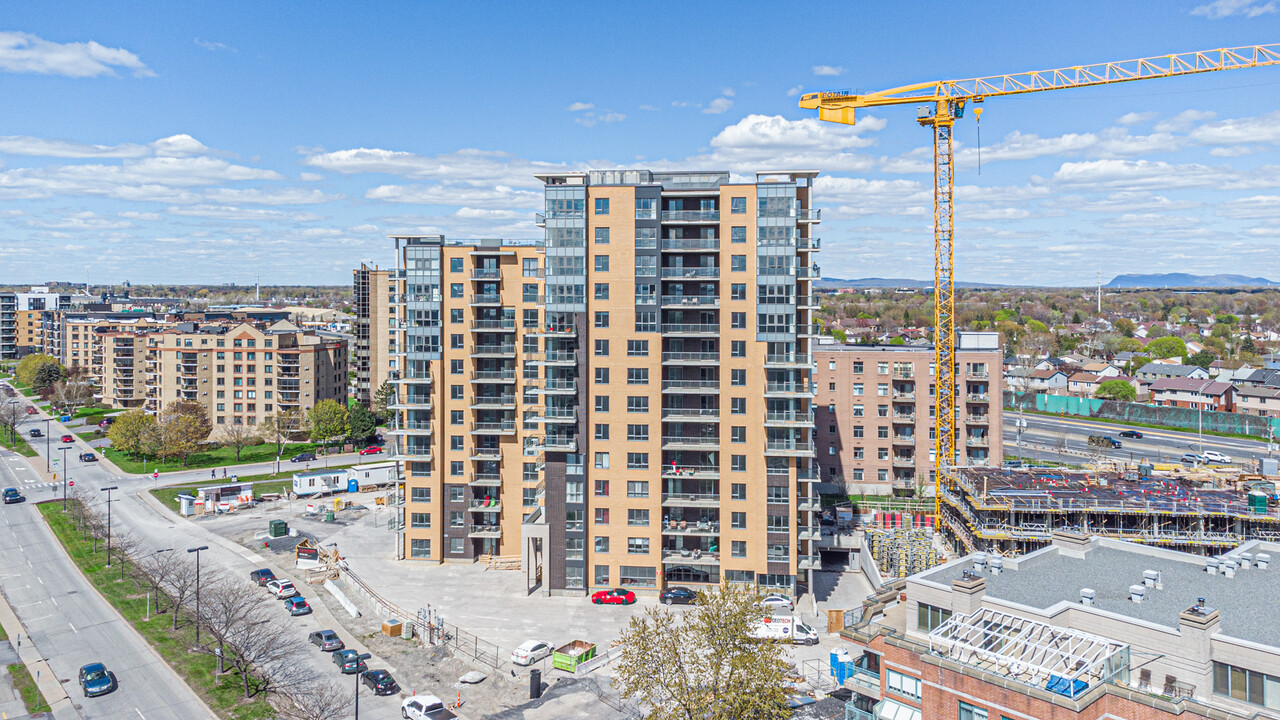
[1173,417]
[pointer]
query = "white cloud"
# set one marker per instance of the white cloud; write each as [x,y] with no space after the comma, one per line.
[795,91]
[182,145]
[1251,208]
[80,221]
[579,106]
[591,117]
[1184,120]
[310,177]
[26,53]
[757,141]
[728,92]
[282,196]
[135,215]
[497,197]
[1135,118]
[482,214]
[1219,9]
[650,108]
[159,179]
[827,70]
[1259,129]
[717,106]
[470,166]
[228,212]
[41,147]
[213,46]
[1150,221]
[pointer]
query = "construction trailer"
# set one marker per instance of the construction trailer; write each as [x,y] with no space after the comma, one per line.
[319,482]
[1015,511]
[372,475]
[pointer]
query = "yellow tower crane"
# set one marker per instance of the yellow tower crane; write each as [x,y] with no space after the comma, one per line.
[941,104]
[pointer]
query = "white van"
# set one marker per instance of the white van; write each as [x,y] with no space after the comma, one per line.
[784,628]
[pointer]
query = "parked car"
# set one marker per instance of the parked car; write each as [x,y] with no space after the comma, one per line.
[1213,456]
[678,594]
[326,640]
[530,652]
[106,422]
[774,601]
[88,457]
[1134,434]
[68,438]
[303,457]
[262,576]
[348,662]
[31,410]
[35,432]
[1191,459]
[616,596]
[11,496]
[424,707]
[297,606]
[371,450]
[380,682]
[1104,441]
[1013,465]
[282,588]
[96,679]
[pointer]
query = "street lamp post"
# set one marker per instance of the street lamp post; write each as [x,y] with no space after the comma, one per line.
[108,490]
[165,550]
[359,659]
[197,550]
[65,471]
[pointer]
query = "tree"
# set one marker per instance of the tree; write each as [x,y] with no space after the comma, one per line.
[72,393]
[181,584]
[1116,390]
[897,340]
[319,700]
[704,665]
[327,420]
[1125,327]
[128,431]
[1156,331]
[382,398]
[27,367]
[11,415]
[180,430]
[840,335]
[282,425]
[361,424]
[1075,318]
[1203,359]
[238,436]
[46,376]
[1036,326]
[153,569]
[1167,347]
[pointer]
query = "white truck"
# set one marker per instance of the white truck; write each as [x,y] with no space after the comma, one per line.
[784,628]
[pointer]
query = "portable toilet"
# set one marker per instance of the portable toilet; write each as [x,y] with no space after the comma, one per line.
[352,485]
[186,505]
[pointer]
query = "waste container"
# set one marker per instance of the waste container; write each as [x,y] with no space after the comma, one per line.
[277,528]
[328,516]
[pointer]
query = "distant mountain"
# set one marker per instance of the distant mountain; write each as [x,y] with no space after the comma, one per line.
[827,282]
[1185,280]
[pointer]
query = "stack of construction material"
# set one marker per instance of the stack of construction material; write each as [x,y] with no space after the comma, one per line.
[902,550]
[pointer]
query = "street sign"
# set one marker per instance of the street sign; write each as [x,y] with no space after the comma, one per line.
[155,475]
[71,483]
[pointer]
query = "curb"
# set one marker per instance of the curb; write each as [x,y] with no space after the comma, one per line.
[49,685]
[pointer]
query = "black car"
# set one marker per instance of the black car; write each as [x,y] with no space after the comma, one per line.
[35,432]
[11,496]
[326,640]
[380,682]
[1105,441]
[680,595]
[262,576]
[303,457]
[348,662]
[88,457]
[1130,434]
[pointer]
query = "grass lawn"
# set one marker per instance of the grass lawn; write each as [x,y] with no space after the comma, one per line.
[26,687]
[266,483]
[94,412]
[224,695]
[90,433]
[17,444]
[221,457]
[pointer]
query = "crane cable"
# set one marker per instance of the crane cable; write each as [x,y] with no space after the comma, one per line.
[977,118]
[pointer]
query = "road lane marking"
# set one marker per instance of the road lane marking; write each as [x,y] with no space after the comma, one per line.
[40,579]
[73,629]
[144,717]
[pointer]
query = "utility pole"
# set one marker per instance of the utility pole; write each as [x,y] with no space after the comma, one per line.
[1099,291]
[197,550]
[108,490]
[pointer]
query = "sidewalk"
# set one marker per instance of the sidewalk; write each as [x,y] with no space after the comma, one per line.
[50,687]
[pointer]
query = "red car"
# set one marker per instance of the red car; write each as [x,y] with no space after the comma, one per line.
[68,438]
[31,410]
[616,596]
[371,450]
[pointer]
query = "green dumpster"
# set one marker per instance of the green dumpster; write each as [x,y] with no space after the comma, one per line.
[328,516]
[569,657]
[277,528]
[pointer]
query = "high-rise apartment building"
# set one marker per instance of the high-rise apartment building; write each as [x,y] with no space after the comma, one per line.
[374,294]
[874,412]
[21,315]
[627,402]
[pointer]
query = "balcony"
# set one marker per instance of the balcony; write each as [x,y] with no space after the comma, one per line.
[485,299]
[809,563]
[486,274]
[486,506]
[412,427]
[561,331]
[977,397]
[493,402]
[788,418]
[681,527]
[556,443]
[493,350]
[977,441]
[977,375]
[696,472]
[808,476]
[691,414]
[504,427]
[691,244]
[690,358]
[809,532]
[689,273]
[411,402]
[904,375]
[553,357]
[788,360]
[486,453]
[679,556]
[690,216]
[904,395]
[787,388]
[484,531]
[691,386]
[809,243]
[687,301]
[900,439]
[557,386]
[789,448]
[977,419]
[686,442]
[485,480]
[809,215]
[904,418]
[493,376]
[690,329]
[556,415]
[494,325]
[417,452]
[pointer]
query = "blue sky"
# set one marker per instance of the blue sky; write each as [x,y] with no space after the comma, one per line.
[167,142]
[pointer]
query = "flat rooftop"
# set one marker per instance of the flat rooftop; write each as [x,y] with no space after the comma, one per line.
[1047,577]
[1040,488]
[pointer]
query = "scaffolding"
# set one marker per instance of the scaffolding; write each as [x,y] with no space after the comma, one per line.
[1017,511]
[901,551]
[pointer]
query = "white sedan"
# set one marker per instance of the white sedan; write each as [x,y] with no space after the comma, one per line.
[530,652]
[1213,456]
[777,602]
[282,589]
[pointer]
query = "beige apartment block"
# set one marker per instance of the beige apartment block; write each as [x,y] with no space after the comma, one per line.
[874,414]
[628,402]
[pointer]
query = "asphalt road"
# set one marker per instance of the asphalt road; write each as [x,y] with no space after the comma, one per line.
[1044,434]
[155,530]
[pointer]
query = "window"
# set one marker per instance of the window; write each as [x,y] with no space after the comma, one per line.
[971,712]
[638,432]
[738,377]
[637,489]
[602,518]
[738,520]
[602,236]
[455,417]
[859,431]
[637,376]
[637,348]
[882,432]
[776,523]
[1246,685]
[602,431]
[456,367]
[602,403]
[602,319]
[738,205]
[882,368]
[456,518]
[455,264]
[420,520]
[646,265]
[455,546]
[629,576]
[637,404]
[637,546]
[646,208]
[738,548]
[455,442]
[737,406]
[529,267]
[455,392]
[857,388]
[638,517]
[601,544]
[738,348]
[738,434]
[858,411]
[738,263]
[573,548]
[575,492]
[647,321]
[903,685]
[530,293]
[738,491]
[777,494]
[456,468]
[420,494]
[602,291]
[737,234]
[455,290]
[602,263]
[602,348]
[573,576]
[420,548]
[637,461]
[857,366]
[602,461]
[602,376]
[738,320]
[602,206]
[882,389]
[929,617]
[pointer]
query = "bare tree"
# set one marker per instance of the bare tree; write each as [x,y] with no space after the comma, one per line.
[1060,444]
[226,606]
[72,393]
[259,643]
[11,415]
[239,436]
[318,700]
[181,585]
[154,569]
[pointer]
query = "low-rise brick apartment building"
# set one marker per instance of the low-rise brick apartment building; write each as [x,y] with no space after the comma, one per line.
[1086,628]
[874,412]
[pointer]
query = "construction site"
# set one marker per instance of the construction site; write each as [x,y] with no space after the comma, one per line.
[1015,511]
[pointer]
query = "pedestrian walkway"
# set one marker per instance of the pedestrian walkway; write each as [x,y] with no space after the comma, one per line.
[50,687]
